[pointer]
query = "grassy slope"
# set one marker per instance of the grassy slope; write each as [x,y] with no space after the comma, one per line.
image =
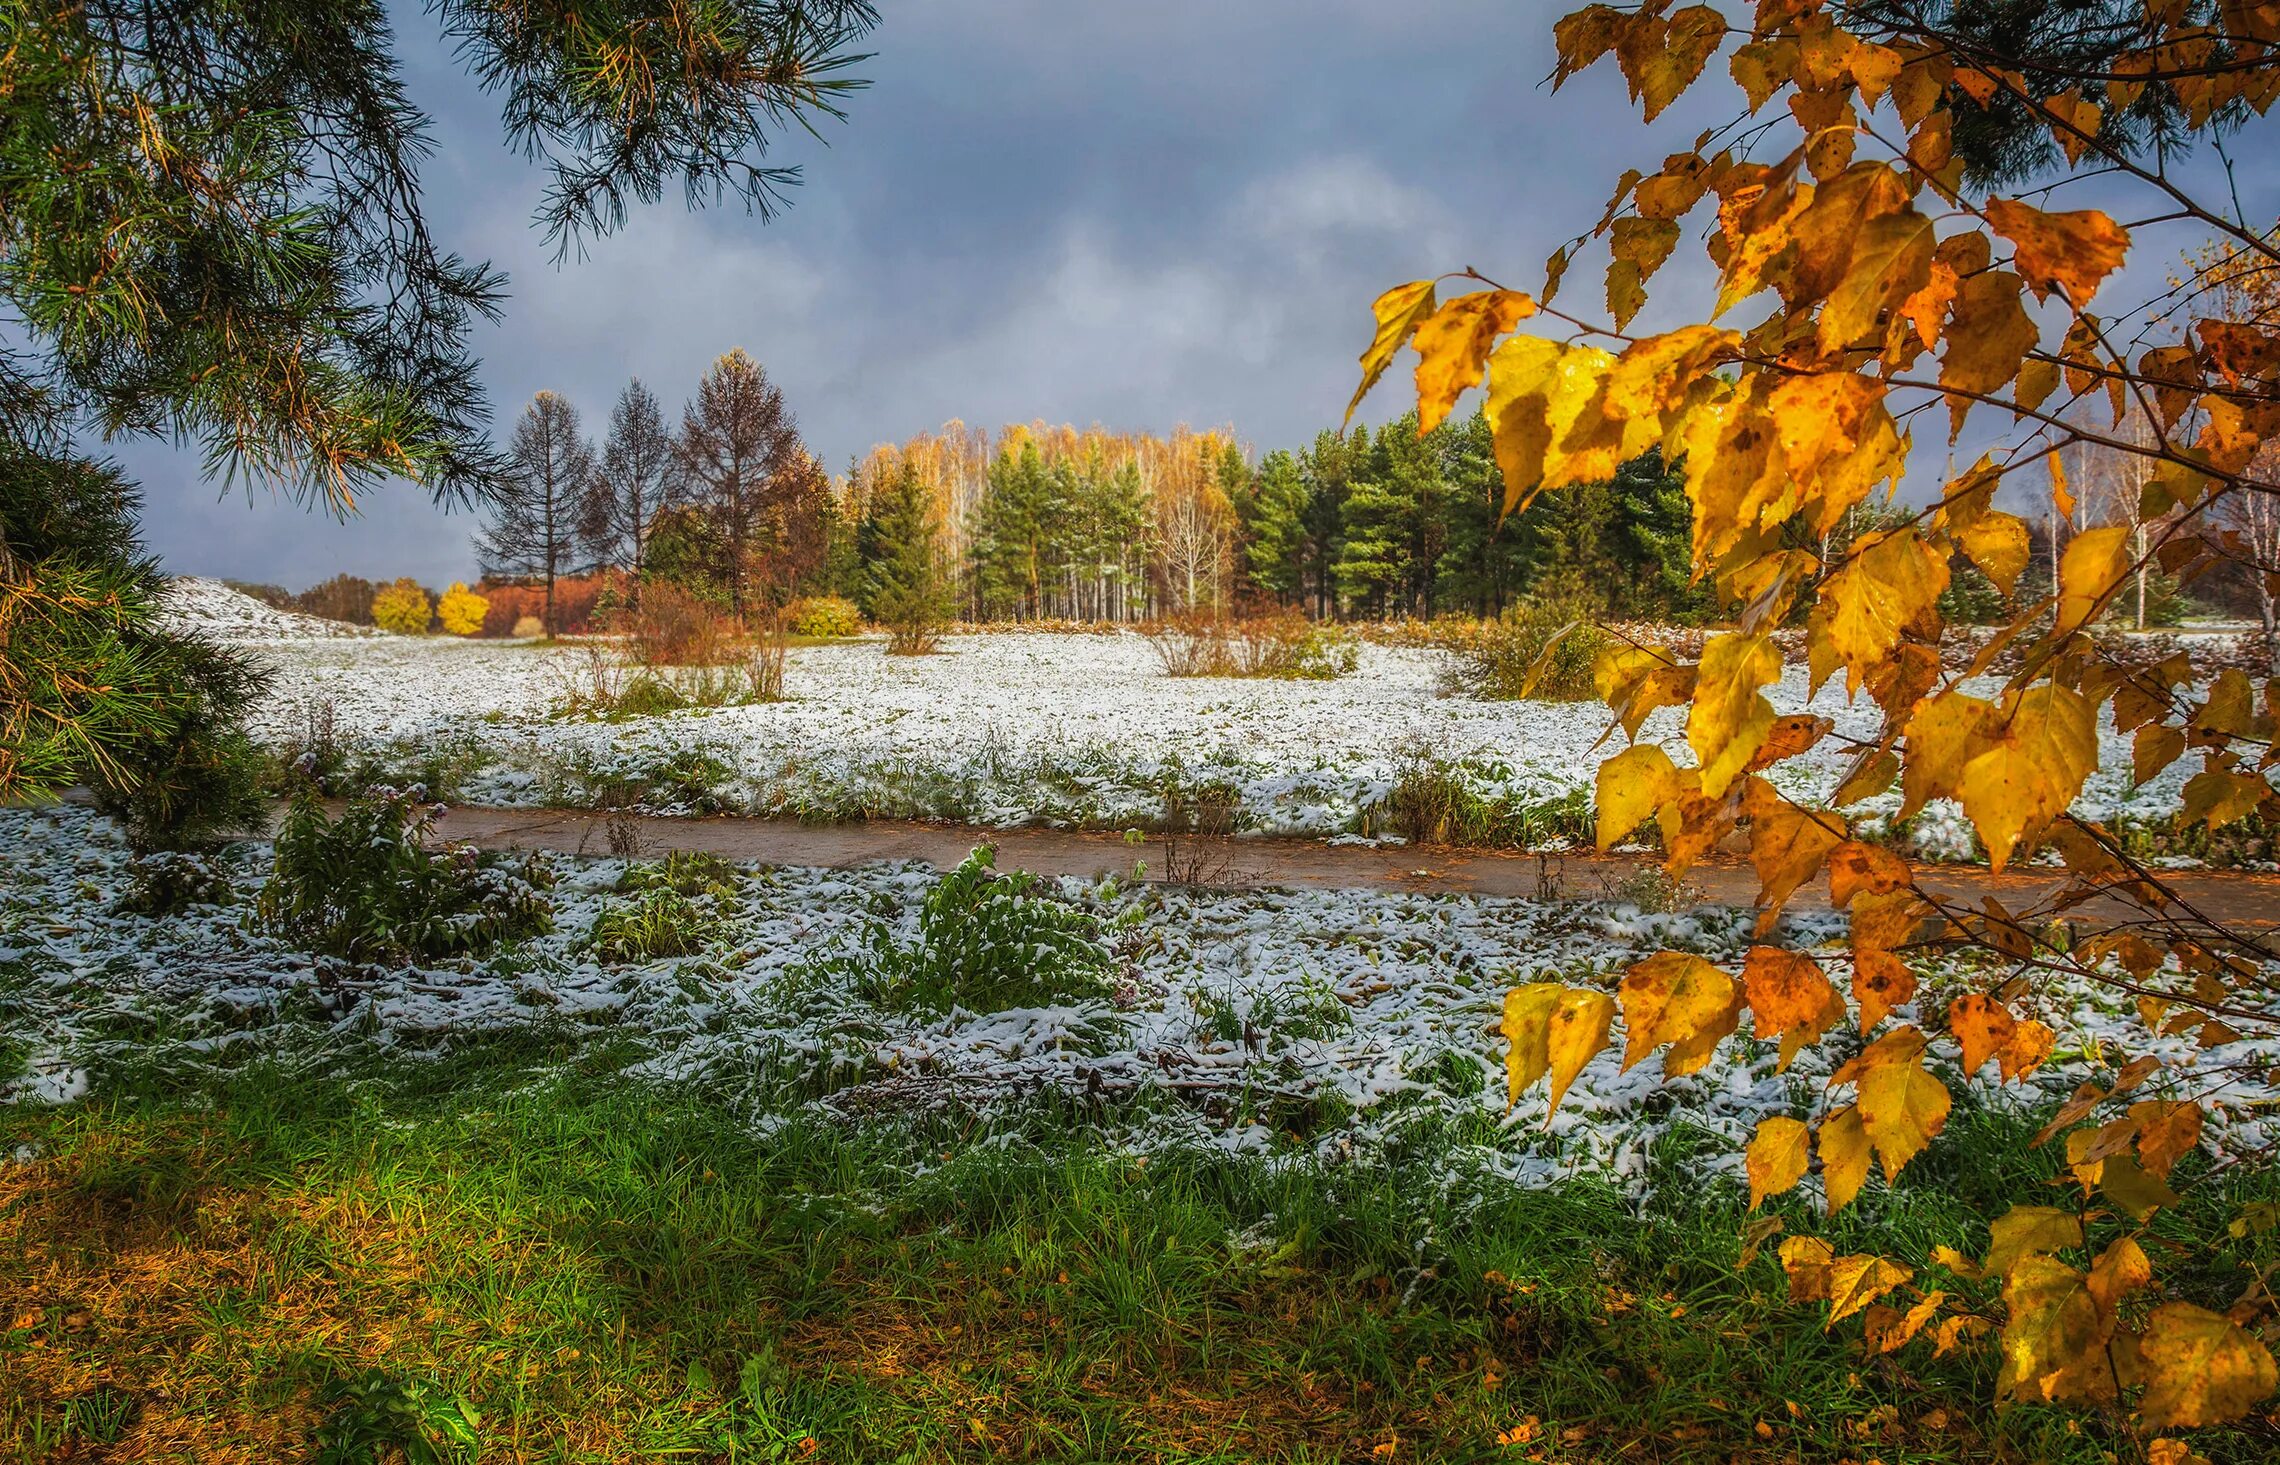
[609,1273]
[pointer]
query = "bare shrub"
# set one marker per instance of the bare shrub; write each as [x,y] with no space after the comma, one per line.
[1199,836]
[671,627]
[1286,644]
[1191,645]
[764,657]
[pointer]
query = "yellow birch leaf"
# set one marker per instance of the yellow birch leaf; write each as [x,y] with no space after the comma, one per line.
[1843,1145]
[2125,1182]
[1787,844]
[2200,1368]
[1855,867]
[1981,1026]
[1889,587]
[1881,982]
[1902,1107]
[1554,1029]
[1689,42]
[1730,717]
[1890,263]
[2093,567]
[1789,999]
[1762,68]
[1626,292]
[2218,796]
[1857,1281]
[1776,1157]
[2031,1044]
[1632,785]
[1399,311]
[1453,345]
[1805,1262]
[1646,243]
[1988,334]
[1903,1326]
[2122,1268]
[1579,1031]
[1681,1000]
[2025,1231]
[1997,543]
[2055,1326]
[2168,1130]
[2048,748]
[2075,251]
[1527,1030]
[1944,735]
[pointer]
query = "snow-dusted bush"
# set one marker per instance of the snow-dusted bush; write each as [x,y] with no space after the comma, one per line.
[368,887]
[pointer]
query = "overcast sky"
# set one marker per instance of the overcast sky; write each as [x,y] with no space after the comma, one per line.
[1137,215]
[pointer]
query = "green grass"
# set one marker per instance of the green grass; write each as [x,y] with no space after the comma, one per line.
[580,1269]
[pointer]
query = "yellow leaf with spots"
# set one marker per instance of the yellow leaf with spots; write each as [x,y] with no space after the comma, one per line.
[2072,251]
[2168,1130]
[1646,243]
[2121,1269]
[1889,587]
[2200,1368]
[1902,1107]
[1776,1157]
[1787,844]
[1453,345]
[1656,375]
[1546,411]
[1805,1262]
[1688,43]
[1857,1281]
[1399,312]
[2054,1331]
[1981,1026]
[1988,335]
[2048,748]
[1789,999]
[1903,1326]
[2092,569]
[1843,1143]
[1889,263]
[1632,786]
[1680,1000]
[1730,718]
[1626,292]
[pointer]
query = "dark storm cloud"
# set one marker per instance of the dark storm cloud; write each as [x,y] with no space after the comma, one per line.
[1132,214]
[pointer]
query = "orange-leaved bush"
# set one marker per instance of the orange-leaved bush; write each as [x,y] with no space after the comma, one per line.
[1866,289]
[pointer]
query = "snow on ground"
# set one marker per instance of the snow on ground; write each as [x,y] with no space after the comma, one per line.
[1236,1013]
[1006,729]
[210,608]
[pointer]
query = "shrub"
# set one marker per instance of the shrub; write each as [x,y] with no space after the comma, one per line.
[823,616]
[989,942]
[671,627]
[684,872]
[402,607]
[1519,647]
[461,610]
[166,883]
[1287,644]
[1191,645]
[367,886]
[579,604]
[528,628]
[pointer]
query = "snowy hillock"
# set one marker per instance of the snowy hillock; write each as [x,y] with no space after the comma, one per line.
[199,606]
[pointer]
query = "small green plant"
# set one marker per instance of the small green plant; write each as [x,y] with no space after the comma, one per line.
[368,886]
[101,1415]
[988,942]
[378,1418]
[661,922]
[166,883]
[684,872]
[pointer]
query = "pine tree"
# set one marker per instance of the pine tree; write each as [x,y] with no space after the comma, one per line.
[539,523]
[1018,541]
[905,588]
[1274,530]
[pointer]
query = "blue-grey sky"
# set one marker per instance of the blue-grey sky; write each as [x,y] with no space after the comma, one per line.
[1137,215]
[1132,214]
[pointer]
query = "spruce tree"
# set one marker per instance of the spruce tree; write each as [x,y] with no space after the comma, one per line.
[905,587]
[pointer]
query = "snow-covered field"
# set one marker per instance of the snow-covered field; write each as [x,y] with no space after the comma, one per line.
[1007,729]
[1370,1013]
[210,607]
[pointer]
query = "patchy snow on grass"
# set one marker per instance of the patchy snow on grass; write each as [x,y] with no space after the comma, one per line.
[1291,1024]
[1008,729]
[195,606]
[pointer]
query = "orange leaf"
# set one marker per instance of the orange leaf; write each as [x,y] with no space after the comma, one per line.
[1982,1026]
[2073,250]
[1453,346]
[1789,999]
[1678,999]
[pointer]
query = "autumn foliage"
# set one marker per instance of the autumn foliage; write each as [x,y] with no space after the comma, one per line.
[1866,293]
